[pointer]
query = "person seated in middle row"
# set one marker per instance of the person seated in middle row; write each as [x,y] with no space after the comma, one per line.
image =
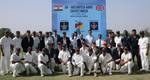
[29,64]
[43,63]
[64,57]
[78,63]
[126,61]
[16,65]
[106,61]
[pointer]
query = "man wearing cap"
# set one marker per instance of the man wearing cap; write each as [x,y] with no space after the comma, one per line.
[118,38]
[64,57]
[126,62]
[106,62]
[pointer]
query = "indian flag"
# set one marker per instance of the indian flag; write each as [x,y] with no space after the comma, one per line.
[58,7]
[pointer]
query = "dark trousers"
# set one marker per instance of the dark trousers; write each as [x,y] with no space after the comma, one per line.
[135,52]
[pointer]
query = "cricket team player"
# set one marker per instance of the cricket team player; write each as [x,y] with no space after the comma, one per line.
[43,63]
[64,57]
[84,52]
[144,48]
[92,62]
[29,64]
[16,65]
[126,62]
[89,38]
[78,63]
[36,40]
[106,61]
[17,40]
[6,44]
[35,54]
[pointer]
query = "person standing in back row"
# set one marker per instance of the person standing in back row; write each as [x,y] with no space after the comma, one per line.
[135,47]
[144,49]
[6,44]
[27,42]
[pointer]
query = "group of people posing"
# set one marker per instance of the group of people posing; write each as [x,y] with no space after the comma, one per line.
[46,54]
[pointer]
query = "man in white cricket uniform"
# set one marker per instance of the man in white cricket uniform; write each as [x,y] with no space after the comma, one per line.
[16,65]
[106,62]
[17,40]
[118,38]
[43,63]
[5,45]
[29,64]
[84,53]
[35,54]
[48,39]
[92,62]
[77,61]
[126,61]
[36,40]
[144,49]
[89,38]
[64,57]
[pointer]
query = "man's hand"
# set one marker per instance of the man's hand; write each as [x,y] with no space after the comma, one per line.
[64,63]
[75,66]
[122,62]
[1,48]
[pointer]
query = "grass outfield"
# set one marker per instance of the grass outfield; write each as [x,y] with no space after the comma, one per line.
[65,77]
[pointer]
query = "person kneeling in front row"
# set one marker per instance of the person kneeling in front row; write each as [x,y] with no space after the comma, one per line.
[126,61]
[78,63]
[16,65]
[43,63]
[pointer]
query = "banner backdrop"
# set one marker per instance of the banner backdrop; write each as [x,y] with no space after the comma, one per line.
[79,15]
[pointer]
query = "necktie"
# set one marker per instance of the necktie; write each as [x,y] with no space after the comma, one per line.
[99,43]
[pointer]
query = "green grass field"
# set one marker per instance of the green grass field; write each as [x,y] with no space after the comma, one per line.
[115,76]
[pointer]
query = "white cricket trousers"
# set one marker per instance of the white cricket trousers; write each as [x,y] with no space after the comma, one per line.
[108,67]
[67,67]
[91,65]
[5,63]
[17,68]
[44,69]
[30,69]
[127,67]
[144,59]
[80,66]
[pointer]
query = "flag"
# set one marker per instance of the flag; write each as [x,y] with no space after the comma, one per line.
[100,7]
[58,7]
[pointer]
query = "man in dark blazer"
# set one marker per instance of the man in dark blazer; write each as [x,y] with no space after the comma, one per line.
[42,41]
[27,41]
[80,41]
[65,40]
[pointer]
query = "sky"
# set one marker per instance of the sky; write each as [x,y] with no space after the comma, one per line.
[36,14]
